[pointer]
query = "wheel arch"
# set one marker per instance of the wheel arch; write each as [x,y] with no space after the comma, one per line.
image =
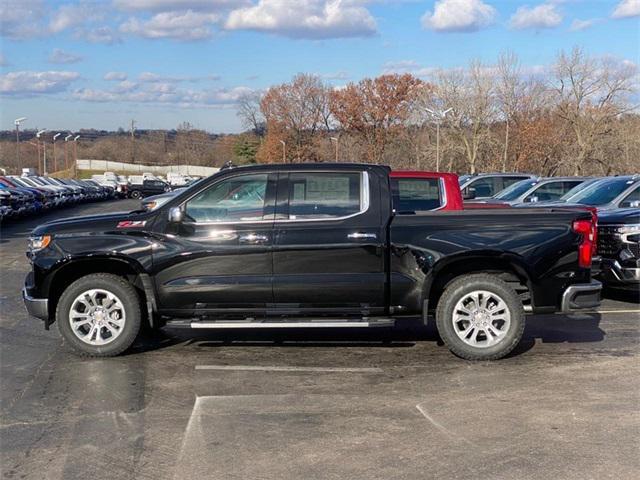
[507,267]
[75,268]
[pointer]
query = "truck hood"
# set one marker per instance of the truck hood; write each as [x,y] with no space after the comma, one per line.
[623,215]
[94,224]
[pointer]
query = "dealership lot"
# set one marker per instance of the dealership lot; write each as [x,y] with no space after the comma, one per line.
[322,404]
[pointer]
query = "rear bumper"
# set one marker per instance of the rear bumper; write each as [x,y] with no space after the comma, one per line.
[580,296]
[36,307]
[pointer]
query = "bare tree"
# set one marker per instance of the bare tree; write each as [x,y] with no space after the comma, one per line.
[250,114]
[590,93]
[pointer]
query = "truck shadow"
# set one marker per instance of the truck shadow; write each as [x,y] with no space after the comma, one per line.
[583,328]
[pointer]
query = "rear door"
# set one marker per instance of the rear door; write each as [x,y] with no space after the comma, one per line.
[329,243]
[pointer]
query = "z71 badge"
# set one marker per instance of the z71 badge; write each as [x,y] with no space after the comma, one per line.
[132,224]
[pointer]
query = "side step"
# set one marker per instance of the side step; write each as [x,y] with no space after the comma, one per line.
[308,323]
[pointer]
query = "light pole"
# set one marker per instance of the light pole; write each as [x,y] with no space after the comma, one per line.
[75,154]
[66,151]
[284,151]
[439,115]
[337,140]
[17,122]
[44,147]
[55,160]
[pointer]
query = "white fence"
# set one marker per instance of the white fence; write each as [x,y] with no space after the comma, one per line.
[108,166]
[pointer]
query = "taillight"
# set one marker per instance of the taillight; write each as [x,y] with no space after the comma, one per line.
[587,229]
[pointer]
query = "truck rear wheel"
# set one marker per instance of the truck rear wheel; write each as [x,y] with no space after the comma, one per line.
[480,317]
[99,315]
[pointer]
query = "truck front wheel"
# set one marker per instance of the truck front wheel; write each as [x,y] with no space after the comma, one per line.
[99,315]
[480,317]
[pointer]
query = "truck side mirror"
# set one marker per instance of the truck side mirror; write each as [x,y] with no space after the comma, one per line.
[469,193]
[175,215]
[630,204]
[533,199]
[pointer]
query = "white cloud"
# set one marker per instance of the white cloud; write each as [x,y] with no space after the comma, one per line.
[578,25]
[408,66]
[188,25]
[161,93]
[545,15]
[627,9]
[60,56]
[150,77]
[102,34]
[173,5]
[313,19]
[459,16]
[22,20]
[29,82]
[69,16]
[115,76]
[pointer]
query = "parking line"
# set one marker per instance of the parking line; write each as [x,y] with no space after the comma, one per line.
[616,311]
[254,368]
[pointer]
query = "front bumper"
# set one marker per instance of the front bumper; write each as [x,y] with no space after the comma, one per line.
[581,296]
[612,272]
[36,307]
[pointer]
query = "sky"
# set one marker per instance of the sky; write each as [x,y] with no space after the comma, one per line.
[67,65]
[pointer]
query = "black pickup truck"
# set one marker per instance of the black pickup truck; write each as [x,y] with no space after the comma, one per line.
[308,245]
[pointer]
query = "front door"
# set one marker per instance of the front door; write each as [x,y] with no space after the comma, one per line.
[329,244]
[218,259]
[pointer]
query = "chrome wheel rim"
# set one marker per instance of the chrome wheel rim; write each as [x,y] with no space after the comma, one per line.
[97,317]
[481,319]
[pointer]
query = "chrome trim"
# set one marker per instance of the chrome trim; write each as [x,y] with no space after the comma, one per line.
[360,235]
[364,203]
[325,324]
[572,290]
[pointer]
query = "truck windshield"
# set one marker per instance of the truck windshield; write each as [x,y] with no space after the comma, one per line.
[601,192]
[515,190]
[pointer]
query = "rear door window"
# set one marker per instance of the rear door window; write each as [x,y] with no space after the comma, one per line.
[325,195]
[411,195]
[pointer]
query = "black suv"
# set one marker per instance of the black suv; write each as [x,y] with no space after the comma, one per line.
[619,248]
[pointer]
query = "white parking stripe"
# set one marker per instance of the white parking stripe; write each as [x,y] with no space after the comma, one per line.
[616,311]
[255,368]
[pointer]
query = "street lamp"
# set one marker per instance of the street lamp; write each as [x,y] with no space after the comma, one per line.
[17,123]
[439,115]
[336,139]
[66,151]
[75,153]
[284,151]
[44,148]
[55,160]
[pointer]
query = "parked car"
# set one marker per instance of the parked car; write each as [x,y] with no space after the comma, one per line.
[486,185]
[308,245]
[148,188]
[535,190]
[619,248]
[610,193]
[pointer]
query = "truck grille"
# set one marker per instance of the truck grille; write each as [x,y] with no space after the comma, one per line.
[609,244]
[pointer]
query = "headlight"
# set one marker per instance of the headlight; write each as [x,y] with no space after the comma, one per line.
[629,229]
[39,242]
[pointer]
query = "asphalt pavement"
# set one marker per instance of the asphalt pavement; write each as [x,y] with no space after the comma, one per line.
[329,404]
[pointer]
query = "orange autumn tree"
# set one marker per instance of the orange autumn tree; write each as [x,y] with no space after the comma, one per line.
[296,113]
[376,109]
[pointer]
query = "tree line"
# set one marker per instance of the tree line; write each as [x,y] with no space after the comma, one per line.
[575,117]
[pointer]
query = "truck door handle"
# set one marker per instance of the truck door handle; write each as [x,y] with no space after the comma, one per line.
[361,236]
[253,238]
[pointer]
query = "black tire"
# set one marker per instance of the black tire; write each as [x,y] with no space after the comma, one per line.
[136,194]
[462,286]
[129,299]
